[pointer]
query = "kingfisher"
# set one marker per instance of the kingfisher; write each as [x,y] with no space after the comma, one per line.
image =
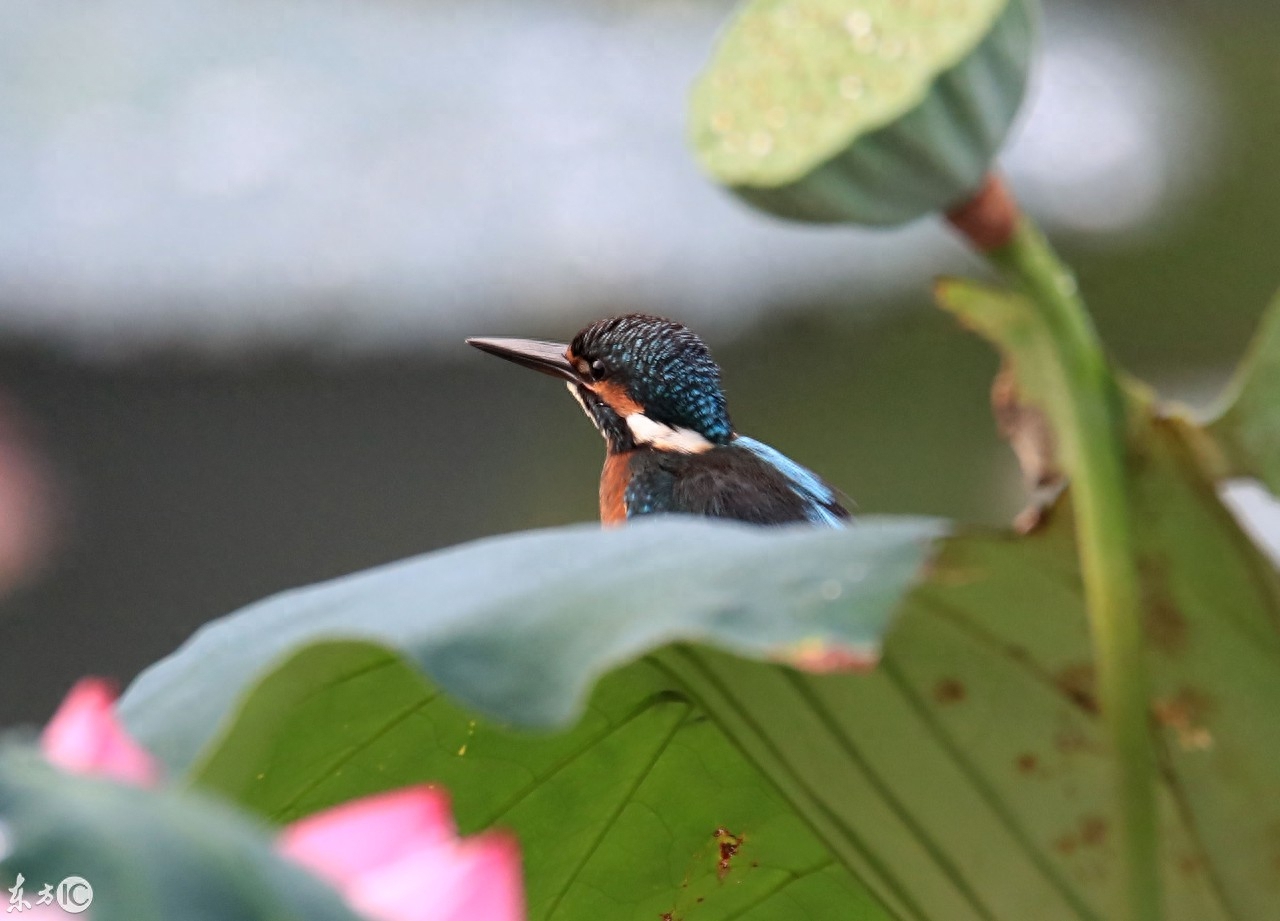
[653,391]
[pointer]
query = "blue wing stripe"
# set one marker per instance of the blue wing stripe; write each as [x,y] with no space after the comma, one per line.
[803,481]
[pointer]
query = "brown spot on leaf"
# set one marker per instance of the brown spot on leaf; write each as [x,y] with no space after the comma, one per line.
[1186,713]
[1166,626]
[1093,830]
[1163,621]
[1091,833]
[1190,864]
[1075,742]
[729,845]
[1027,763]
[949,691]
[1079,683]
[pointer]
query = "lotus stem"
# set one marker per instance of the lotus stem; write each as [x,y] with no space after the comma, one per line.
[1090,427]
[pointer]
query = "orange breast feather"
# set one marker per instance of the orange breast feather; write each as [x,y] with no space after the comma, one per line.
[613,486]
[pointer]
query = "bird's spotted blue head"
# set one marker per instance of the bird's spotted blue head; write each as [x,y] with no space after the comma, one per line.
[644,381]
[638,364]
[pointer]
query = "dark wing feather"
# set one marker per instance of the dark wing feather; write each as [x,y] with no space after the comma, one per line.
[822,502]
[738,481]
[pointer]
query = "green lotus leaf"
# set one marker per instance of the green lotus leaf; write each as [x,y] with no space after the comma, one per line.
[519,627]
[621,817]
[865,111]
[1210,605]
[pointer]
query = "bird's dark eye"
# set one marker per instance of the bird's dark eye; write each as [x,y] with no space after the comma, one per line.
[598,370]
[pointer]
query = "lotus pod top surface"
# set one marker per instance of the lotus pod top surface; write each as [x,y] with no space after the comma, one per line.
[794,82]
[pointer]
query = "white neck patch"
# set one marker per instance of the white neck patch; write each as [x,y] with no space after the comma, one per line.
[654,434]
[665,437]
[573,389]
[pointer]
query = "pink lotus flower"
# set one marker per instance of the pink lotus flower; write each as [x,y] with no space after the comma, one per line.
[393,857]
[396,857]
[85,737]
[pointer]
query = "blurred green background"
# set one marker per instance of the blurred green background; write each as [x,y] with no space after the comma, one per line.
[179,475]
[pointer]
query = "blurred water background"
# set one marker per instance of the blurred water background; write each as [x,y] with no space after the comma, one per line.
[242,240]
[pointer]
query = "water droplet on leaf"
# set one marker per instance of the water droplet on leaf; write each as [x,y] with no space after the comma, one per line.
[851,87]
[859,23]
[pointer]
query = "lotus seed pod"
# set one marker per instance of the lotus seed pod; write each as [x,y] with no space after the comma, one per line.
[862,111]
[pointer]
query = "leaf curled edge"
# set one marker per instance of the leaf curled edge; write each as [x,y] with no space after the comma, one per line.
[1245,426]
[520,627]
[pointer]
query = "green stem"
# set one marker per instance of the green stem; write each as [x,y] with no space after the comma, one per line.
[1091,432]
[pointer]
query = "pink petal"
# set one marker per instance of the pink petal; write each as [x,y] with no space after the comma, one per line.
[85,737]
[395,858]
[348,840]
[476,879]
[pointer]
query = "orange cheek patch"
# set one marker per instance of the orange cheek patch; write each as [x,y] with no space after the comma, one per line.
[617,397]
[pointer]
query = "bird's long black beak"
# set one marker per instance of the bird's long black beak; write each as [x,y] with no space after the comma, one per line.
[547,357]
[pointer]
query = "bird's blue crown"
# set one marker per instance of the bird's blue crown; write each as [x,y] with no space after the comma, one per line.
[664,367]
